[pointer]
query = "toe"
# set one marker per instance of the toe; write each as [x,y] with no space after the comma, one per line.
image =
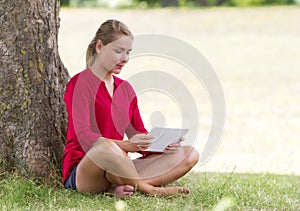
[128,188]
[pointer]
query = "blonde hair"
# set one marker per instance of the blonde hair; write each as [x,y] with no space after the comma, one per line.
[107,33]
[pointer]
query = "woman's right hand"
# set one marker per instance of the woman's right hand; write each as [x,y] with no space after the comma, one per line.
[139,142]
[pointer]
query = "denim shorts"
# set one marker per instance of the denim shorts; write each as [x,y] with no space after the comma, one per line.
[71,181]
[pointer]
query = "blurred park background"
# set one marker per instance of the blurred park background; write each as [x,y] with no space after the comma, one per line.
[172,3]
[253,47]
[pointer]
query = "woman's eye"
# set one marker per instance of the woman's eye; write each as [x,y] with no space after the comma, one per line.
[118,51]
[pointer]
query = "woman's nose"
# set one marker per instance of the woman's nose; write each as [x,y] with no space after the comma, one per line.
[125,57]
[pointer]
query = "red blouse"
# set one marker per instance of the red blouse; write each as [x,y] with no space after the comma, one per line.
[93,113]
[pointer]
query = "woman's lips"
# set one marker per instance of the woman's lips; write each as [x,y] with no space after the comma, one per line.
[119,66]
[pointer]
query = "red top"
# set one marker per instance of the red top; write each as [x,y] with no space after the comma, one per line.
[93,113]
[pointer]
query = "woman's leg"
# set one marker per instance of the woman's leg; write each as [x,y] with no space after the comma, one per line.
[106,165]
[160,169]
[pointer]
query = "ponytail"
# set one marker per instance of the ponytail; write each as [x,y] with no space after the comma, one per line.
[107,33]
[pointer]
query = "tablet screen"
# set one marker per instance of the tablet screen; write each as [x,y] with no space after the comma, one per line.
[164,136]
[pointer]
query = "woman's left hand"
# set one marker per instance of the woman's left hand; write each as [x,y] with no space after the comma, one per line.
[172,148]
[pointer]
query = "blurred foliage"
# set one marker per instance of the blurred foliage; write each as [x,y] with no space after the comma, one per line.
[245,3]
[238,3]
[84,3]
[149,3]
[64,2]
[173,3]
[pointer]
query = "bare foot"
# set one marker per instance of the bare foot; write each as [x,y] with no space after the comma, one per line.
[121,191]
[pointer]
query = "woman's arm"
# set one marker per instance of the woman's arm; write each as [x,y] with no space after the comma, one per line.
[137,143]
[78,100]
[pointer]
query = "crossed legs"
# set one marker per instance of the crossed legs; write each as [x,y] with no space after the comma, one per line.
[161,169]
[106,168]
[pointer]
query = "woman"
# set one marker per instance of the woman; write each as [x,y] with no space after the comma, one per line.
[103,108]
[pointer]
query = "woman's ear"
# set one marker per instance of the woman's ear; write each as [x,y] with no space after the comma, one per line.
[98,46]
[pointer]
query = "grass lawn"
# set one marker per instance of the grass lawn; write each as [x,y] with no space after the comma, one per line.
[209,191]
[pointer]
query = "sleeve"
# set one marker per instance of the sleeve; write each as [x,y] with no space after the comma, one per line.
[136,123]
[80,106]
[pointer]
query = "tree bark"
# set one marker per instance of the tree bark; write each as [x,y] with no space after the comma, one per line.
[32,84]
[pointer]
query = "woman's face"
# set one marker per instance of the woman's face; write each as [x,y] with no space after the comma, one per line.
[115,55]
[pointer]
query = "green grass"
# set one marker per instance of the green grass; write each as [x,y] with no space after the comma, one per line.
[209,191]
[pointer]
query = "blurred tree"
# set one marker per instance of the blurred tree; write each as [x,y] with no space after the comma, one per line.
[150,3]
[166,3]
[205,2]
[169,3]
[201,2]
[279,2]
[219,2]
[32,84]
[64,2]
[245,3]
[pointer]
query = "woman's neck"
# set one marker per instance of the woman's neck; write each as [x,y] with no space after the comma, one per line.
[107,78]
[103,75]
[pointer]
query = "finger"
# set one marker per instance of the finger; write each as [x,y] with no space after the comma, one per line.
[147,137]
[181,139]
[172,148]
[144,136]
[147,144]
[144,143]
[141,148]
[175,145]
[139,141]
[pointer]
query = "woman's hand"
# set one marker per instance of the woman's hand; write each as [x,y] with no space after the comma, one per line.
[172,148]
[139,142]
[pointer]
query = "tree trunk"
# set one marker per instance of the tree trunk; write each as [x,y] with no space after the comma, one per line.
[32,84]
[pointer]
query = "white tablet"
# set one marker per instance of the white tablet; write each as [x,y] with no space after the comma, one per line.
[164,136]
